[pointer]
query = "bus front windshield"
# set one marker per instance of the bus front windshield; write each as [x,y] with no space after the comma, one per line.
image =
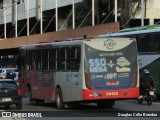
[111,68]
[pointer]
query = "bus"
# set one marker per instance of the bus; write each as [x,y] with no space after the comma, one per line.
[148,44]
[98,70]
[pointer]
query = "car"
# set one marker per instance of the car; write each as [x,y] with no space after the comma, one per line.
[10,93]
[5,71]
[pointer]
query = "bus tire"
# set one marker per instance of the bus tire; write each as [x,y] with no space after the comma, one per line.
[59,99]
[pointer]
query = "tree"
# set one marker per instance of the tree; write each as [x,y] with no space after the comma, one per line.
[127,9]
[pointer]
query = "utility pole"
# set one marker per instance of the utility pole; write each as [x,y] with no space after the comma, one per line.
[93,12]
[142,8]
[16,12]
[115,10]
[28,17]
[4,19]
[41,16]
[56,16]
[73,14]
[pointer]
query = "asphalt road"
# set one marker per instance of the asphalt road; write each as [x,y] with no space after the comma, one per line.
[128,109]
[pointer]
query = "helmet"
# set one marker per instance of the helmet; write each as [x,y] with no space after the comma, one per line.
[146,71]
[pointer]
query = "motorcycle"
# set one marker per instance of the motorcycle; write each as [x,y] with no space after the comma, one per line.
[148,96]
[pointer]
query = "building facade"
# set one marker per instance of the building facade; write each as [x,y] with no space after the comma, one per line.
[151,12]
[10,12]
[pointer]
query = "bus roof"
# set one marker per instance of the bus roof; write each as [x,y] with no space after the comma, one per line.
[132,32]
[71,42]
[57,44]
[147,27]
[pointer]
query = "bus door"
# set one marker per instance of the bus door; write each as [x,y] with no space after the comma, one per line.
[75,76]
[70,72]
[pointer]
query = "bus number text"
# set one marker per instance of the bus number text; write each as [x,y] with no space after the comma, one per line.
[112,93]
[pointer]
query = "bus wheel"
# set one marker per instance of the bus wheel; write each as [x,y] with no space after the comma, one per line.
[59,99]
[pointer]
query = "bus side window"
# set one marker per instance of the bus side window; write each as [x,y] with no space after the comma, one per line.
[27,60]
[20,61]
[33,64]
[62,54]
[58,58]
[38,59]
[68,56]
[75,58]
[65,55]
[45,60]
[53,59]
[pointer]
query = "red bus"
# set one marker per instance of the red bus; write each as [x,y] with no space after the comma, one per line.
[99,70]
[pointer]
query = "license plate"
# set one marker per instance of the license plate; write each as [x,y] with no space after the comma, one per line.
[6,99]
[151,92]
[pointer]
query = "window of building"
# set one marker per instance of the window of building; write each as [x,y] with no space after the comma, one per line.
[19,1]
[1,4]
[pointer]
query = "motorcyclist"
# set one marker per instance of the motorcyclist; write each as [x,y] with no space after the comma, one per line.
[146,82]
